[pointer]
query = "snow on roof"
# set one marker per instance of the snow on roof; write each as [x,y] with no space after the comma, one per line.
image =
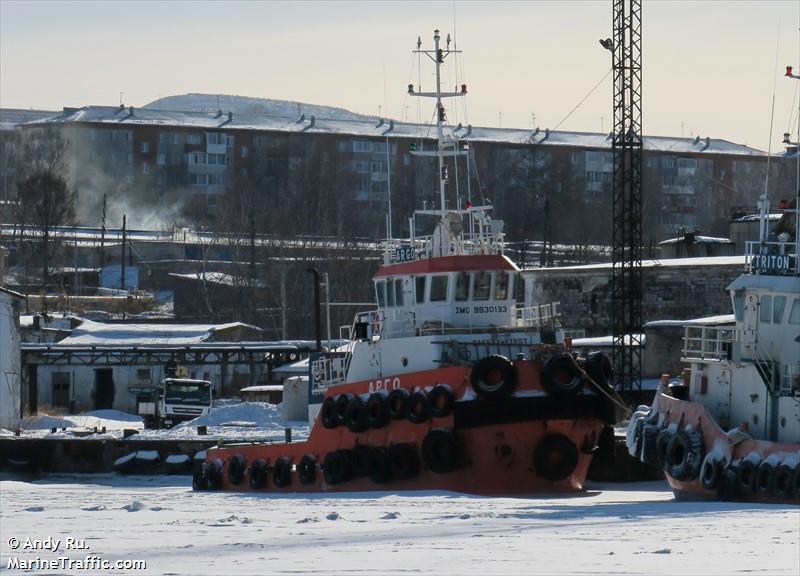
[263,388]
[756,217]
[707,321]
[115,116]
[703,261]
[698,240]
[91,333]
[603,341]
[216,278]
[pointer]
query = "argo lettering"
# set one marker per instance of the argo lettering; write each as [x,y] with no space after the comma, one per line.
[385,384]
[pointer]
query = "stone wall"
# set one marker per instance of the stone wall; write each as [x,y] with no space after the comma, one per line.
[672,290]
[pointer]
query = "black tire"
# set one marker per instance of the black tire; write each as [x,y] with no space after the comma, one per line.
[360,455]
[765,479]
[418,408]
[342,402]
[685,455]
[442,451]
[356,415]
[377,411]
[599,368]
[215,474]
[782,483]
[440,401]
[494,376]
[728,485]
[328,413]
[662,443]
[561,375]
[258,474]
[380,465]
[337,466]
[397,403]
[711,472]
[236,468]
[405,462]
[747,477]
[555,457]
[307,469]
[649,445]
[200,477]
[282,472]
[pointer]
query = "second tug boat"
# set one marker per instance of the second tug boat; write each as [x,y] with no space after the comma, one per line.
[452,383]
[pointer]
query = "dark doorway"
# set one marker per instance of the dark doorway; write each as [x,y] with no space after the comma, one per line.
[103,388]
[33,389]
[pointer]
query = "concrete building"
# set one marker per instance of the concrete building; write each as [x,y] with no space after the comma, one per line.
[10,370]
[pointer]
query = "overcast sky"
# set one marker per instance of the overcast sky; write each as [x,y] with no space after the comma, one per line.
[709,67]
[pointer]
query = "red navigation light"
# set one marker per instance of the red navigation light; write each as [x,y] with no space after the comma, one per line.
[463,88]
[469,205]
[788,70]
[784,204]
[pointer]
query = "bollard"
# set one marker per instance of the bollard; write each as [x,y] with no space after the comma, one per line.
[202,430]
[128,432]
[104,430]
[53,430]
[17,431]
[288,434]
[95,429]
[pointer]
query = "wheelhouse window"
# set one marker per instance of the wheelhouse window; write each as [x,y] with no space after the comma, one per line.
[419,283]
[482,286]
[398,292]
[501,286]
[519,289]
[462,287]
[794,315]
[766,309]
[738,307]
[390,293]
[380,289]
[778,307]
[438,289]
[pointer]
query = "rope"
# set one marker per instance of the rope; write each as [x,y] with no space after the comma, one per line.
[616,398]
[564,119]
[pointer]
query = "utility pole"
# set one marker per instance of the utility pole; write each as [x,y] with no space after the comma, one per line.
[122,260]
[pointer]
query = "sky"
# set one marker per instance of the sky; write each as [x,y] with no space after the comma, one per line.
[709,68]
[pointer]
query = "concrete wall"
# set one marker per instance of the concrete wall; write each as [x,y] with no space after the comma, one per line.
[670,292]
[9,362]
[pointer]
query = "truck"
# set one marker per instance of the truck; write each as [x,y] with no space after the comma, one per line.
[175,400]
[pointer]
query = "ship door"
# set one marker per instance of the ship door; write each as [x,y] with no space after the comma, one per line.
[722,391]
[749,334]
[103,388]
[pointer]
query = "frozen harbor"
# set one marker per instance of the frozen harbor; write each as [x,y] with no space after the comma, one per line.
[611,529]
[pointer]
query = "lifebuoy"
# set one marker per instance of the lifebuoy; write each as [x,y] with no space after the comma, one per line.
[442,451]
[258,474]
[493,376]
[342,402]
[236,467]
[397,403]
[282,472]
[765,479]
[555,457]
[215,474]
[711,471]
[328,413]
[361,460]
[684,455]
[380,465]
[356,415]
[377,411]
[561,375]
[747,476]
[404,461]
[782,483]
[307,469]
[418,409]
[440,401]
[200,477]
[337,466]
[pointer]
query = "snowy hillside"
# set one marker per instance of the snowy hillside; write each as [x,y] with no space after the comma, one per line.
[248,105]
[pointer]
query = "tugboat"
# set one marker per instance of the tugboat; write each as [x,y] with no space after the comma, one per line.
[730,429]
[455,382]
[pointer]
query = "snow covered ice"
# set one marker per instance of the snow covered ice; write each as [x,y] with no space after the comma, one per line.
[633,528]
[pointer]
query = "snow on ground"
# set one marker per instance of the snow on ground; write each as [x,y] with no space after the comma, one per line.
[111,419]
[611,529]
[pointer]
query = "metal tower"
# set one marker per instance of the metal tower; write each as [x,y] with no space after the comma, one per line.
[627,207]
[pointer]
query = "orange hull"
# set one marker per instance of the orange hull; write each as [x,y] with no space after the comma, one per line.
[501,443]
[720,473]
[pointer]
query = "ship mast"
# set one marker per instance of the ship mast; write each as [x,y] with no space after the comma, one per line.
[438,55]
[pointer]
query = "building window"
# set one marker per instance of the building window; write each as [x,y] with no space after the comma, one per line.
[243,152]
[92,134]
[143,373]
[145,168]
[145,147]
[194,139]
[162,159]
[60,382]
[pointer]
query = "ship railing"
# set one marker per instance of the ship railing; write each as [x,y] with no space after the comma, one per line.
[538,316]
[705,343]
[772,258]
[397,251]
